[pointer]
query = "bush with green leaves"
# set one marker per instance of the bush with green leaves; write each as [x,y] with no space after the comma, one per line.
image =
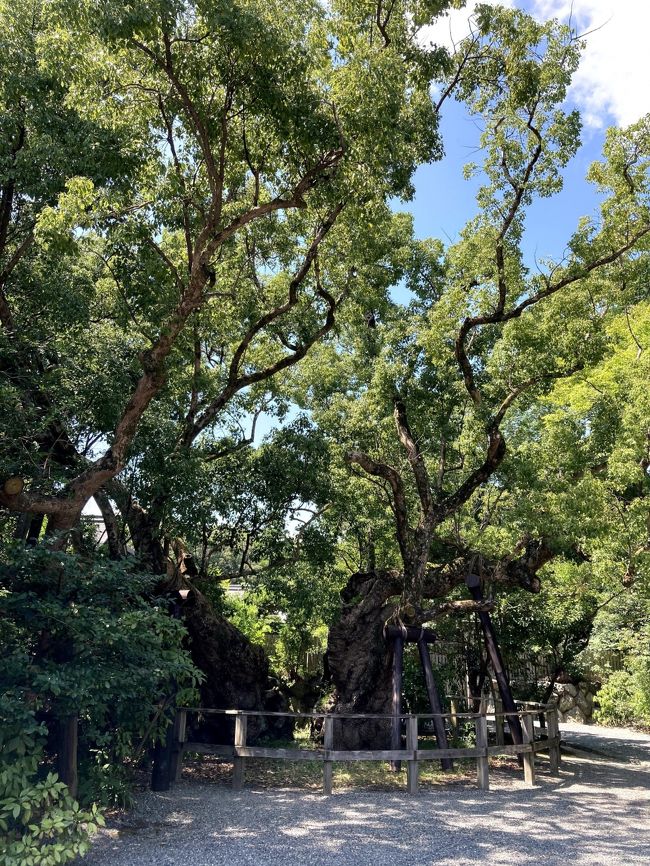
[40,823]
[620,701]
[89,637]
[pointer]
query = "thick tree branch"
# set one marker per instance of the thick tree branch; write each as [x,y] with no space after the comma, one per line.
[460,607]
[68,504]
[394,479]
[415,458]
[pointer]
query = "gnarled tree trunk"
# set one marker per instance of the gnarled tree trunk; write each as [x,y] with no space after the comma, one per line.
[358,660]
[237,675]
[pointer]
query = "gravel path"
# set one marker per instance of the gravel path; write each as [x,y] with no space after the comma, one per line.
[621,744]
[596,814]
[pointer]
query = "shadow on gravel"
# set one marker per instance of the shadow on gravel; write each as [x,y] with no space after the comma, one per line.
[596,814]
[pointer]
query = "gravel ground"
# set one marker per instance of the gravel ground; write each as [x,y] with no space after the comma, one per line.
[621,744]
[596,814]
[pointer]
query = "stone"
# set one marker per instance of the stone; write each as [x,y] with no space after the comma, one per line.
[565,704]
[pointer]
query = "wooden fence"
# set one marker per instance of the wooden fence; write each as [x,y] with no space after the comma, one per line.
[239,751]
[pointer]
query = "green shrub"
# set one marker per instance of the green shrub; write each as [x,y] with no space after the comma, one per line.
[625,698]
[40,823]
[88,637]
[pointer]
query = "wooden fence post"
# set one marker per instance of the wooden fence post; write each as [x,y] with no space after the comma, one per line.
[529,739]
[482,766]
[180,726]
[161,773]
[412,745]
[68,736]
[239,764]
[554,741]
[328,744]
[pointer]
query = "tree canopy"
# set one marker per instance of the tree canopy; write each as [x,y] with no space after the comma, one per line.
[204,234]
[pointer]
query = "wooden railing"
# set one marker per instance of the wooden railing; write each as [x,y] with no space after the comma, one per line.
[239,751]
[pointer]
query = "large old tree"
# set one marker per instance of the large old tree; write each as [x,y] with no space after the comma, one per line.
[216,246]
[451,378]
[191,196]
[196,229]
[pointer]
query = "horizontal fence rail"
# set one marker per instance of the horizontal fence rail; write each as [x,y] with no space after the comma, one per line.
[239,751]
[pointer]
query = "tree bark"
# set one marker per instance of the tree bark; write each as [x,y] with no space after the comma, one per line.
[114,540]
[237,675]
[358,660]
[67,752]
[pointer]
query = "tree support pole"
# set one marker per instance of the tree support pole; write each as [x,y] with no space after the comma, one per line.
[396,729]
[473,582]
[436,704]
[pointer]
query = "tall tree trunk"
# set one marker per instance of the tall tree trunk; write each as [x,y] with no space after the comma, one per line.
[114,539]
[237,675]
[67,752]
[359,660]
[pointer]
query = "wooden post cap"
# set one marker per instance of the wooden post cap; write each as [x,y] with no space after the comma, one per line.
[13,486]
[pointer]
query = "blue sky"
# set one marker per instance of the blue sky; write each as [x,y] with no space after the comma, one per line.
[444,201]
[612,87]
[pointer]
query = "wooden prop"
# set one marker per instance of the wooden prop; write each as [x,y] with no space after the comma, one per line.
[410,633]
[436,704]
[398,635]
[396,730]
[473,583]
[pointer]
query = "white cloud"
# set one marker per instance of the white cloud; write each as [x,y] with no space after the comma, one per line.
[449,29]
[612,84]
